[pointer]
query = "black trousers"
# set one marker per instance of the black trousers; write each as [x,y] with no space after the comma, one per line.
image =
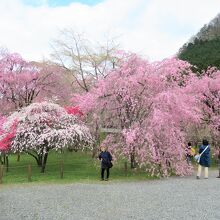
[103,172]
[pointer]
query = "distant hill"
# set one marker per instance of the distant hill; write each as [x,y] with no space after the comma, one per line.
[203,49]
[209,31]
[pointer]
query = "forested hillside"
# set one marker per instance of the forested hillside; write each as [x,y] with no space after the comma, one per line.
[203,49]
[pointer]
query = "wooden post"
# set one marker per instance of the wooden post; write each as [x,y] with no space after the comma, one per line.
[61,169]
[7,163]
[29,172]
[1,173]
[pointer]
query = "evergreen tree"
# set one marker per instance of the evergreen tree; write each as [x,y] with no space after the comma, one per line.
[202,53]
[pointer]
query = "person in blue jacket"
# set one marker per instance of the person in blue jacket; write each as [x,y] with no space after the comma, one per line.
[106,159]
[204,159]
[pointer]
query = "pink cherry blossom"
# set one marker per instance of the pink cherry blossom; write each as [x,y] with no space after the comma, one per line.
[151,107]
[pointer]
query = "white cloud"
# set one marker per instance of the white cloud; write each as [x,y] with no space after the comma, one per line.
[155,28]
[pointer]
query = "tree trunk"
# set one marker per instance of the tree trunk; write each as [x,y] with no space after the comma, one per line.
[4,159]
[94,151]
[44,161]
[133,163]
[39,160]
[98,141]
[37,157]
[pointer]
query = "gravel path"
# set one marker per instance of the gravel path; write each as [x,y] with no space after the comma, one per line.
[173,198]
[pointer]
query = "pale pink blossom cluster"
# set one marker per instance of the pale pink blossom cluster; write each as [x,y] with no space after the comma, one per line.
[46,126]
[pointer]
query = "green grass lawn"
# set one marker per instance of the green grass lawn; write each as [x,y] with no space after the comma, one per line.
[78,167]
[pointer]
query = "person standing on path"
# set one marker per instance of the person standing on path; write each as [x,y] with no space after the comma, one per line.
[189,153]
[204,162]
[106,164]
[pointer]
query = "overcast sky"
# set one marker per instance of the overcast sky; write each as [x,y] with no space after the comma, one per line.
[153,28]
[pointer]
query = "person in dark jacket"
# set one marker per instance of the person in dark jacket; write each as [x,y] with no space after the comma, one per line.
[204,159]
[106,159]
